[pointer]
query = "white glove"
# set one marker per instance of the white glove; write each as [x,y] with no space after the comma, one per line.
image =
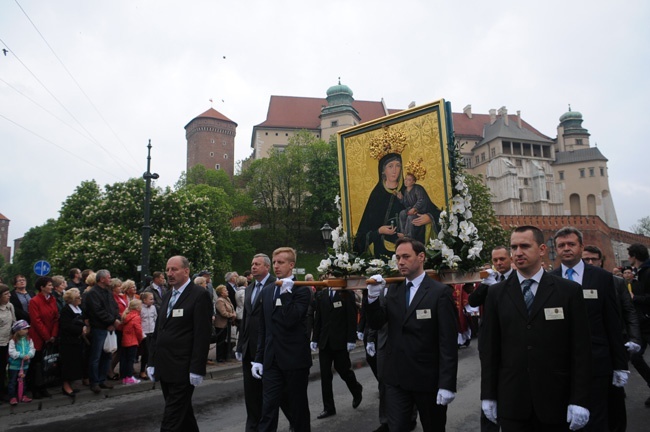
[360,335]
[195,379]
[489,408]
[256,370]
[370,349]
[577,416]
[620,378]
[238,356]
[351,346]
[150,373]
[287,285]
[313,346]
[374,290]
[445,397]
[491,279]
[633,347]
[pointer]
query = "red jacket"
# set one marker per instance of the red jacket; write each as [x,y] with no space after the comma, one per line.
[132,329]
[44,320]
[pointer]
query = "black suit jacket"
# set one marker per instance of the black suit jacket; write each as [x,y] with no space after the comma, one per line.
[630,320]
[250,323]
[334,319]
[283,338]
[21,314]
[534,363]
[607,345]
[421,352]
[180,344]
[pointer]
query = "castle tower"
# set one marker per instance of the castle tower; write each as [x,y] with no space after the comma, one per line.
[5,251]
[339,112]
[211,141]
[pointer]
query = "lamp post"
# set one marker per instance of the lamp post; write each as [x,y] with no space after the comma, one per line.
[550,244]
[147,176]
[326,232]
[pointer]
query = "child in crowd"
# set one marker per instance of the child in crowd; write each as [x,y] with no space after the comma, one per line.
[148,315]
[21,350]
[131,338]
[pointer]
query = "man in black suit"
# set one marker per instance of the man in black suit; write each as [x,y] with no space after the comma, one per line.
[283,359]
[334,336]
[535,345]
[640,259]
[616,412]
[180,345]
[421,346]
[157,288]
[609,361]
[248,337]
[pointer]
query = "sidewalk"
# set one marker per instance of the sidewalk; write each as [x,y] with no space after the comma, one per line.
[213,372]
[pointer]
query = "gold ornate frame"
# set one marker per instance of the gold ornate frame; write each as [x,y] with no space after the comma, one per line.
[429,132]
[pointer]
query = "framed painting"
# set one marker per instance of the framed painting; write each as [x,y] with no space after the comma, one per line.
[395,177]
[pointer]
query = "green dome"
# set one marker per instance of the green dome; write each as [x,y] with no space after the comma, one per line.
[338,89]
[570,115]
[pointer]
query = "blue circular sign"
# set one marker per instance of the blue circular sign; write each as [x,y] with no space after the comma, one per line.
[42,268]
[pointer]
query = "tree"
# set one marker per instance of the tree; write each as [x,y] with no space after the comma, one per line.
[322,182]
[35,246]
[484,216]
[642,227]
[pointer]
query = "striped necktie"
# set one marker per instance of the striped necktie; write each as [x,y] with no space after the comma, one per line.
[172,302]
[528,293]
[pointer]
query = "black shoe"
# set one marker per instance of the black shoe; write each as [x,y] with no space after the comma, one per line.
[356,400]
[326,414]
[382,428]
[95,388]
[69,394]
[106,386]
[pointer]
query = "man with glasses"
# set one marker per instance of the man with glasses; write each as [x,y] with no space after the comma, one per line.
[20,297]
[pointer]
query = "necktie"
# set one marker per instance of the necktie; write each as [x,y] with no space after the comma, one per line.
[408,294]
[331,294]
[528,293]
[256,291]
[501,278]
[569,274]
[172,302]
[277,293]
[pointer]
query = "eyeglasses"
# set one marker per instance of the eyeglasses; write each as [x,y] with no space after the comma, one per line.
[591,259]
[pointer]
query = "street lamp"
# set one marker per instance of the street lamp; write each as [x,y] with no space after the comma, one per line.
[326,232]
[147,176]
[550,244]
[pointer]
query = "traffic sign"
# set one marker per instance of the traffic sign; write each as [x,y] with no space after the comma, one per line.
[42,268]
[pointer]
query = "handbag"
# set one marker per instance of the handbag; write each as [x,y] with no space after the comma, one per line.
[51,370]
[110,343]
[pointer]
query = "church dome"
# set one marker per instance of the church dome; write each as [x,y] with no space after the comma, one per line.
[339,89]
[570,115]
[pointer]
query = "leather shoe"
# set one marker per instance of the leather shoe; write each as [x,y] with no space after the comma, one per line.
[326,414]
[356,400]
[71,394]
[106,386]
[95,388]
[382,428]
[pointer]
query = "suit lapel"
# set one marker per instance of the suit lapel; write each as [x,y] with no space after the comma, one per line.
[417,298]
[513,288]
[544,291]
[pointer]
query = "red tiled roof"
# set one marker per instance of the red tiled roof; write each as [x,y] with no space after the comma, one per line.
[304,113]
[466,126]
[2,217]
[212,113]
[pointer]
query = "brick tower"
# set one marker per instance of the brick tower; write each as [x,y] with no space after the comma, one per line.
[211,141]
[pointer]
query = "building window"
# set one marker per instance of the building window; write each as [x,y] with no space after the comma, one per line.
[477,160]
[483,157]
[334,123]
[561,173]
[602,172]
[518,162]
[525,182]
[225,156]
[212,141]
[578,141]
[224,143]
[266,133]
[217,166]
[286,134]
[211,154]
[548,195]
[276,134]
[591,171]
[582,172]
[493,152]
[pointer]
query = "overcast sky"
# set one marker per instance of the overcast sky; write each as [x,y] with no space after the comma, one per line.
[85,84]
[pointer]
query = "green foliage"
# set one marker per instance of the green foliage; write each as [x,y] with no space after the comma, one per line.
[484,216]
[35,246]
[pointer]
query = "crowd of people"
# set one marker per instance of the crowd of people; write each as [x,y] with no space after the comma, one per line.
[554,344]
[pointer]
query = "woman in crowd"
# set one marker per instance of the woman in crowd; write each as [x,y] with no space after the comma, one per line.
[7,318]
[59,284]
[71,329]
[20,298]
[223,319]
[122,304]
[43,330]
[129,289]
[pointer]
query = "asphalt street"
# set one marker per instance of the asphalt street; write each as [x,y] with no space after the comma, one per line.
[219,405]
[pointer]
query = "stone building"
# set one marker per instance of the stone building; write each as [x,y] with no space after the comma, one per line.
[211,141]
[5,251]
